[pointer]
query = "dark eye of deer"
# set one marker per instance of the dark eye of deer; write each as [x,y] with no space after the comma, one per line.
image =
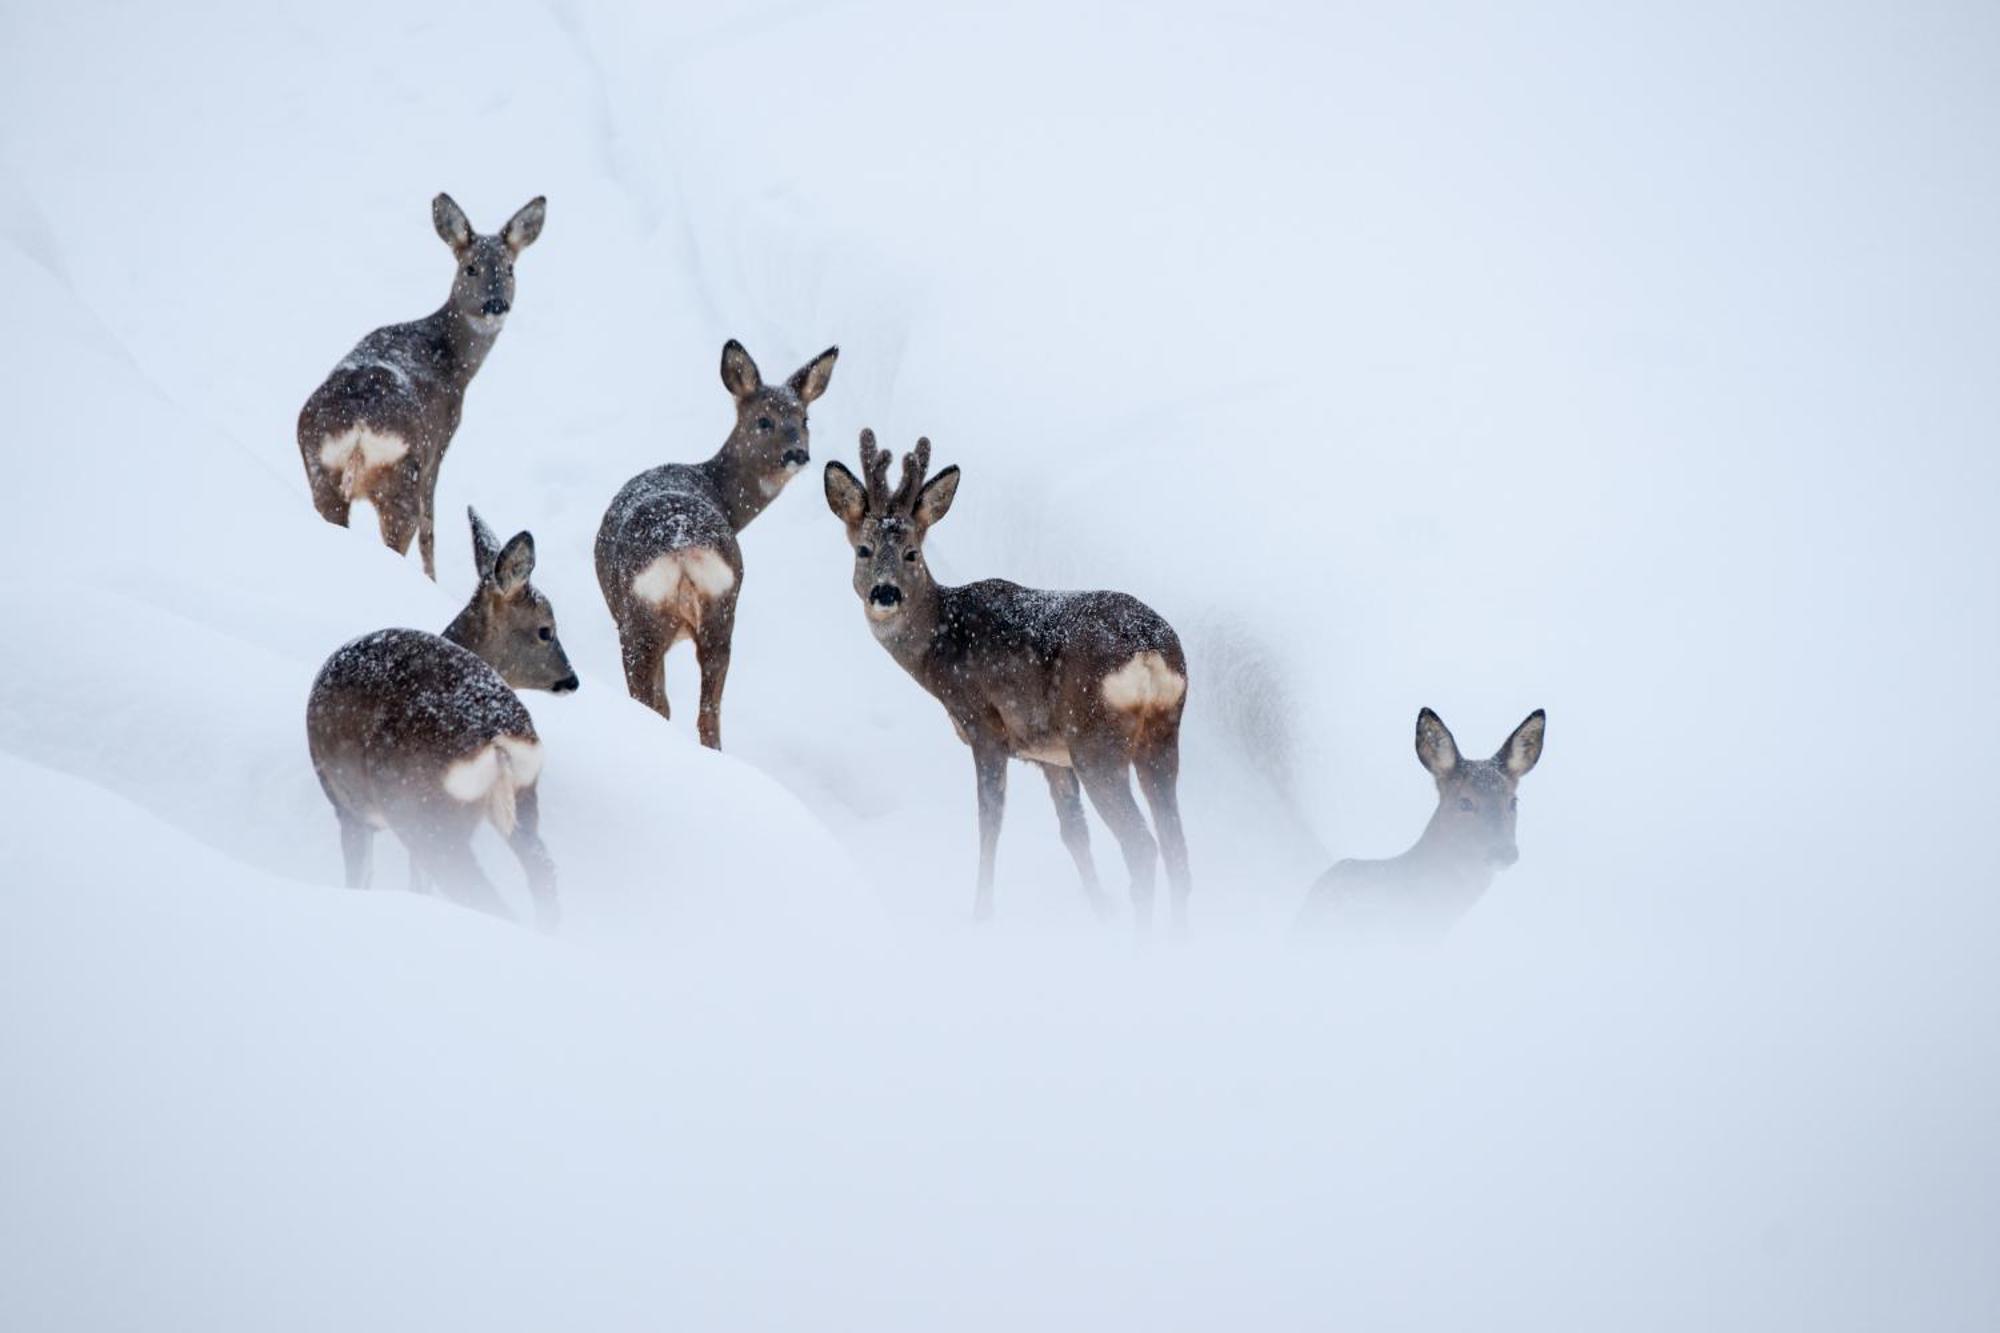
[546,633]
[909,555]
[471,270]
[1465,803]
[763,423]
[863,552]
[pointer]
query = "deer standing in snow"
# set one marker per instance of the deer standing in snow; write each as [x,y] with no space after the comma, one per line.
[1089,686]
[377,429]
[667,557]
[422,733]
[1470,839]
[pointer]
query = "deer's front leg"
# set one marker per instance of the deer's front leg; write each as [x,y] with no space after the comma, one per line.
[989,760]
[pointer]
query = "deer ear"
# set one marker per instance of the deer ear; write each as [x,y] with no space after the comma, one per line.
[809,381]
[1436,750]
[1524,748]
[844,495]
[453,227]
[739,372]
[514,563]
[934,500]
[522,229]
[485,546]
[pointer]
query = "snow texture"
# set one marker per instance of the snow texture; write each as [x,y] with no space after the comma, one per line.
[1632,363]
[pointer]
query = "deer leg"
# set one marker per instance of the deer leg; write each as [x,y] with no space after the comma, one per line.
[357,850]
[711,649]
[333,506]
[1104,776]
[644,648]
[990,763]
[1159,768]
[419,881]
[446,856]
[399,522]
[427,523]
[526,842]
[1068,796]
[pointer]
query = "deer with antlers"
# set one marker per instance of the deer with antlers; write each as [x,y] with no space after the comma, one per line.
[1089,686]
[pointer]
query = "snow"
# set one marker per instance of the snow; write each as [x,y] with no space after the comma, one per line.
[1637,366]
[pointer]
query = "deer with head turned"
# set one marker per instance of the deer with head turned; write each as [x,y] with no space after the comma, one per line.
[1088,686]
[1469,840]
[422,734]
[377,428]
[667,556]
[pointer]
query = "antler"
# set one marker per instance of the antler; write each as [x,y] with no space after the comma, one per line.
[915,465]
[875,473]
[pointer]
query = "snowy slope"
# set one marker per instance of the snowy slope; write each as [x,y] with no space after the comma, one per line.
[1635,368]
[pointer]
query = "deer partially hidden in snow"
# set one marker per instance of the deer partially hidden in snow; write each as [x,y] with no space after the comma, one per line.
[422,734]
[1089,686]
[667,557]
[377,429]
[1470,839]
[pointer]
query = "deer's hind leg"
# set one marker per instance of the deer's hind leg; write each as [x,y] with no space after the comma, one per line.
[1158,764]
[1104,771]
[536,863]
[427,520]
[328,497]
[711,647]
[443,849]
[643,640]
[1067,794]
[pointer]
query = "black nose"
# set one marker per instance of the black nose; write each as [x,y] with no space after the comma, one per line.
[496,306]
[797,456]
[885,594]
[567,685]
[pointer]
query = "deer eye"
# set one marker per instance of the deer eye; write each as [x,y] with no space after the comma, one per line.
[472,270]
[546,633]
[1465,803]
[863,552]
[910,554]
[763,423]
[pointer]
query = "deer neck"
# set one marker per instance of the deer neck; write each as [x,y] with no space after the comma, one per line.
[742,493]
[468,627]
[910,635]
[1442,857]
[464,346]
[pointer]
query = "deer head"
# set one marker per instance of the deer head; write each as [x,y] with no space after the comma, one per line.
[887,529]
[1476,800]
[483,291]
[508,621]
[771,442]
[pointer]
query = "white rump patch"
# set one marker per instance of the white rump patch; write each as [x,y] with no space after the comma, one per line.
[524,759]
[356,453]
[684,581]
[471,778]
[509,765]
[1145,684]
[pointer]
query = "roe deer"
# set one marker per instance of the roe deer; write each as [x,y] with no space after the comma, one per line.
[377,429]
[1087,685]
[1470,838]
[422,734]
[667,557]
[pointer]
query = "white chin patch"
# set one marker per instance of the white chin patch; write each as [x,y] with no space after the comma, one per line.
[487,325]
[879,613]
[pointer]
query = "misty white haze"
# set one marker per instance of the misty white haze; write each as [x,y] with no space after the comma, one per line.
[1640,367]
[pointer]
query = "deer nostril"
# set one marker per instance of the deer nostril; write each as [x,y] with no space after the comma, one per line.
[496,306]
[885,594]
[567,685]
[797,456]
